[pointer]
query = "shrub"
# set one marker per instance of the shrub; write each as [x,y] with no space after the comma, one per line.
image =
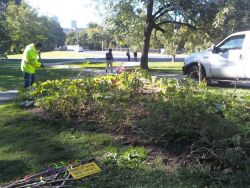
[211,127]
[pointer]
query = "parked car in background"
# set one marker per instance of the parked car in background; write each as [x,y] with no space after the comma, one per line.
[228,60]
[63,48]
[75,48]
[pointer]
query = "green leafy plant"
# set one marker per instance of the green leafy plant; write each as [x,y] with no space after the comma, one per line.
[209,127]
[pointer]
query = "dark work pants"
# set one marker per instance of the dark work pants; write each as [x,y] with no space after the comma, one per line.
[29,79]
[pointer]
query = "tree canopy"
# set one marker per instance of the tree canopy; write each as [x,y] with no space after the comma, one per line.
[21,25]
[95,37]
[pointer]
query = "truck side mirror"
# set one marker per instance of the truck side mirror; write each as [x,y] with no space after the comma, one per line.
[214,49]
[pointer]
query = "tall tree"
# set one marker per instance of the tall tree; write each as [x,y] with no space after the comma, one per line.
[95,36]
[216,18]
[70,38]
[155,14]
[232,16]
[127,24]
[4,37]
[55,36]
[4,29]
[27,27]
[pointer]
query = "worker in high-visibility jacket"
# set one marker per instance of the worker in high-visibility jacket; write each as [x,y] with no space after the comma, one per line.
[30,62]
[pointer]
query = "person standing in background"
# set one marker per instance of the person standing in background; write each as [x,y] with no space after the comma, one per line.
[135,55]
[109,59]
[128,55]
[30,62]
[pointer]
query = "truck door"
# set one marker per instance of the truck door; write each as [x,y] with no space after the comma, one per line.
[246,57]
[246,66]
[226,58]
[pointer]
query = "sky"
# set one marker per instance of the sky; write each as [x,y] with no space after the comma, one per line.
[83,11]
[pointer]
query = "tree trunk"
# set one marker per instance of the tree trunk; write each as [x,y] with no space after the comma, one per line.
[173,58]
[147,34]
[145,50]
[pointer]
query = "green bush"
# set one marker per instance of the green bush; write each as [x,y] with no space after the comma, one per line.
[212,128]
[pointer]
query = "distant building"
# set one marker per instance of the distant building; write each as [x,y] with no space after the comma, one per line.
[55,18]
[73,24]
[68,30]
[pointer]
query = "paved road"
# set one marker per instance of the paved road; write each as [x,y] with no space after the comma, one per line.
[99,56]
[121,57]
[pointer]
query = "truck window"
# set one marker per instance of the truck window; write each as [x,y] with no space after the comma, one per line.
[234,42]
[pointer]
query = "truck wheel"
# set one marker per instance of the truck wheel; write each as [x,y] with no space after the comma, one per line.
[193,73]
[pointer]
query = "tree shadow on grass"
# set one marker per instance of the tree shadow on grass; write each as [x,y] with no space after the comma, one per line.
[29,145]
[11,169]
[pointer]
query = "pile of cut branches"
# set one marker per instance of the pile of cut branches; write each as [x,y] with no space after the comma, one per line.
[57,176]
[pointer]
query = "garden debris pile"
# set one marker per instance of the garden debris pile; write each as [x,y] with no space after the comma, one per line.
[58,176]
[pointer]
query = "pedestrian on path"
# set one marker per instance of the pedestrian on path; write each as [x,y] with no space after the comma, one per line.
[109,59]
[135,55]
[30,62]
[128,54]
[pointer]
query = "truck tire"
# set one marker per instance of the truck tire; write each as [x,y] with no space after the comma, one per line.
[193,73]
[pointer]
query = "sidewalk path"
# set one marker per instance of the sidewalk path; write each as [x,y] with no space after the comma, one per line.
[7,95]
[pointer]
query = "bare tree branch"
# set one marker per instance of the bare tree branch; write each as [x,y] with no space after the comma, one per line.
[176,22]
[162,11]
[159,28]
[159,11]
[155,35]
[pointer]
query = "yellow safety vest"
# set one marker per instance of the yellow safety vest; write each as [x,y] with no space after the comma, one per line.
[29,59]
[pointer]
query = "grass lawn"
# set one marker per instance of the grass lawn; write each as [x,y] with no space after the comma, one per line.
[94,65]
[167,67]
[56,54]
[29,143]
[11,76]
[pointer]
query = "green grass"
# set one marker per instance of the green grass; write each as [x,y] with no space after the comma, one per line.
[11,75]
[12,78]
[153,66]
[167,67]
[94,65]
[56,54]
[240,91]
[29,143]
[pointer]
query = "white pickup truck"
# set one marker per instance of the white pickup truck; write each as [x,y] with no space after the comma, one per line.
[228,60]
